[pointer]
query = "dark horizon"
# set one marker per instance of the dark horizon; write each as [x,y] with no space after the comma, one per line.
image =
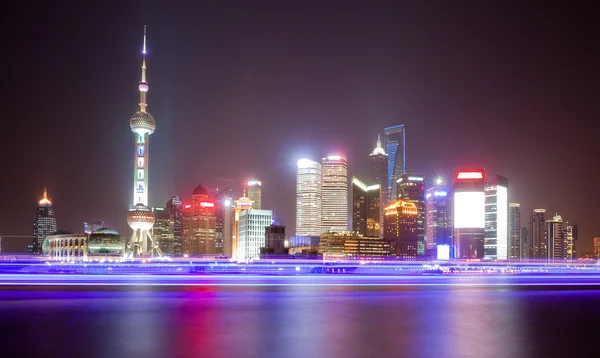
[243,90]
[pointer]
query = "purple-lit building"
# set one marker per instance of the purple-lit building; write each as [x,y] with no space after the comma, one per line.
[438,217]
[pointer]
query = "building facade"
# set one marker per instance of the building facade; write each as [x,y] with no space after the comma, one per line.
[438,218]
[395,145]
[349,246]
[199,224]
[308,198]
[411,187]
[537,234]
[379,170]
[596,248]
[44,224]
[255,193]
[162,232]
[496,218]
[525,246]
[91,226]
[514,231]
[252,226]
[366,209]
[555,240]
[275,243]
[334,194]
[175,209]
[571,234]
[401,229]
[469,214]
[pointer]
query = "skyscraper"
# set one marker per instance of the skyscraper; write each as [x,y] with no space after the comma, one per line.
[514,231]
[379,170]
[254,193]
[308,198]
[596,247]
[438,217]
[496,218]
[395,143]
[400,228]
[334,194]
[175,209]
[162,232]
[199,224]
[571,234]
[243,203]
[140,218]
[469,214]
[252,232]
[366,208]
[411,188]
[555,245]
[525,243]
[537,235]
[224,214]
[44,224]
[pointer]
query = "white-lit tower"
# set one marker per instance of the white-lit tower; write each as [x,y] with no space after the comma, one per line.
[140,218]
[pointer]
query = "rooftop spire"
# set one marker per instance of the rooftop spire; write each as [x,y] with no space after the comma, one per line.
[45,200]
[378,148]
[143,87]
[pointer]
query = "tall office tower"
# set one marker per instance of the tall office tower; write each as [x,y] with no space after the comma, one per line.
[199,224]
[537,235]
[254,193]
[91,226]
[223,212]
[44,224]
[275,244]
[496,218]
[596,247]
[175,210]
[163,230]
[555,239]
[525,248]
[438,217]
[252,232]
[243,203]
[379,169]
[334,194]
[308,198]
[140,218]
[469,214]
[571,234]
[366,208]
[400,228]
[395,144]
[514,231]
[411,187]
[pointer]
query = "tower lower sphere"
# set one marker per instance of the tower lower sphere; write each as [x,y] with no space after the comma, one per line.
[141,220]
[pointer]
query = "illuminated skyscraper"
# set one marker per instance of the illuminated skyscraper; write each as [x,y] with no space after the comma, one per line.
[395,144]
[525,244]
[308,198]
[254,193]
[537,235]
[44,224]
[140,218]
[571,234]
[162,232]
[175,209]
[514,231]
[496,218]
[199,224]
[224,213]
[366,208]
[555,244]
[379,170]
[596,247]
[411,187]
[400,227]
[252,226]
[469,214]
[242,204]
[334,193]
[438,217]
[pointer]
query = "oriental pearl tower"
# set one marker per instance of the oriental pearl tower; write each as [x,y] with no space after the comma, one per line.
[140,218]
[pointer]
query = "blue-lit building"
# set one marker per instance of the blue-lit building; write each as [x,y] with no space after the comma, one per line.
[438,217]
[395,146]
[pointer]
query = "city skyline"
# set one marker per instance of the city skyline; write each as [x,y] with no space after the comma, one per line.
[437,145]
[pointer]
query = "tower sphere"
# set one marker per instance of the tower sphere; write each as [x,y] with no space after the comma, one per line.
[140,217]
[142,122]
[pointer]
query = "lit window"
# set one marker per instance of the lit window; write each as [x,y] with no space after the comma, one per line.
[140,162]
[140,174]
[140,186]
[140,150]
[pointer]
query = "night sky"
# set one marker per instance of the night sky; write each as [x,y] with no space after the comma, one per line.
[245,88]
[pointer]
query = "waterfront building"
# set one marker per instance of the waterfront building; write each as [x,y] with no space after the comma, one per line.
[243,203]
[469,214]
[334,194]
[514,231]
[252,226]
[525,246]
[344,246]
[304,246]
[162,232]
[571,235]
[366,208]
[596,249]
[411,188]
[199,224]
[91,226]
[175,209]
[255,193]
[379,170]
[275,243]
[308,198]
[44,224]
[395,144]
[555,240]
[538,235]
[224,213]
[496,218]
[438,219]
[400,229]
[102,244]
[140,218]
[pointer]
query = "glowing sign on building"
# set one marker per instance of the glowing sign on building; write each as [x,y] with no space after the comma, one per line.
[206,204]
[443,252]
[469,210]
[470,175]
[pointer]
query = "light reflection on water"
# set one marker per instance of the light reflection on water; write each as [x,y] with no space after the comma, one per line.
[299,322]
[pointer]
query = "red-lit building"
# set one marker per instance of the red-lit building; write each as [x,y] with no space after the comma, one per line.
[199,224]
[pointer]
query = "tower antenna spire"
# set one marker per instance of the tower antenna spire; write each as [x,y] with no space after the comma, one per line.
[143,84]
